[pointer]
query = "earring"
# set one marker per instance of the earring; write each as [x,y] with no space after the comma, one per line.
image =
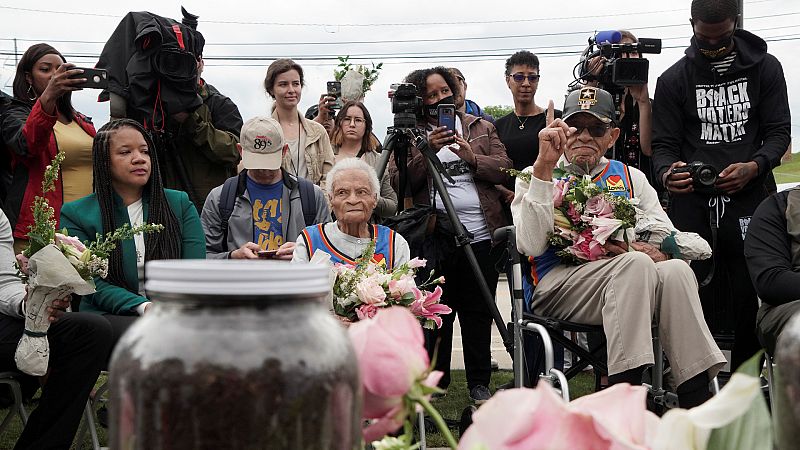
[31,93]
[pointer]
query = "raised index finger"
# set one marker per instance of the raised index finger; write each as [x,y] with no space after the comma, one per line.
[550,115]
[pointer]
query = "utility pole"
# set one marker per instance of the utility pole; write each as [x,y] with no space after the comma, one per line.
[16,60]
[740,20]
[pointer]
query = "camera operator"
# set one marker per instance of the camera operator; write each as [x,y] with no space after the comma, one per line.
[205,138]
[472,156]
[724,105]
[633,148]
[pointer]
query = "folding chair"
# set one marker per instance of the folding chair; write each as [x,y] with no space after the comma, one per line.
[18,408]
[89,423]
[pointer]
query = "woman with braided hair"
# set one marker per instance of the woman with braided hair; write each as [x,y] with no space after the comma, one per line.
[127,189]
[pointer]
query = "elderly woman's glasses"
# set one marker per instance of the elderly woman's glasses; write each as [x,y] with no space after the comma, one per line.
[520,78]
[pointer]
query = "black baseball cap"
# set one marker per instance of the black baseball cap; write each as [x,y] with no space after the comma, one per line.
[591,100]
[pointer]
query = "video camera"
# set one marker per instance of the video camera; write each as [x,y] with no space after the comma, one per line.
[618,70]
[406,105]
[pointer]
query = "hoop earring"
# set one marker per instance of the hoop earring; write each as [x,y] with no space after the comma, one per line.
[31,93]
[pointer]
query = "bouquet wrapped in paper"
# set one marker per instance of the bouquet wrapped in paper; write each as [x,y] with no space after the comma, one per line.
[54,266]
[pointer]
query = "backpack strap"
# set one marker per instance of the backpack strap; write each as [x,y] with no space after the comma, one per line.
[227,199]
[308,200]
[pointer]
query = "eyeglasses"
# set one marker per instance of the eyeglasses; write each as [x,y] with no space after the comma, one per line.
[357,121]
[594,130]
[520,77]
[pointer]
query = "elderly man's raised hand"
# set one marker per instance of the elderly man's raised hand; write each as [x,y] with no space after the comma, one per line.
[552,142]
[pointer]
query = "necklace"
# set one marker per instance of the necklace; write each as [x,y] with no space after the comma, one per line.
[522,122]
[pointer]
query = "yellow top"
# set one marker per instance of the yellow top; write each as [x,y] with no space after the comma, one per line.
[76,171]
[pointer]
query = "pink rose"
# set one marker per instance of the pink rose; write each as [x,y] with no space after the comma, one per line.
[71,241]
[391,357]
[22,262]
[531,419]
[398,288]
[598,206]
[587,247]
[366,311]
[370,292]
[573,213]
[429,307]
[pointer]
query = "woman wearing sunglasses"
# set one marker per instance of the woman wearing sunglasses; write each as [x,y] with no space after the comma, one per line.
[519,130]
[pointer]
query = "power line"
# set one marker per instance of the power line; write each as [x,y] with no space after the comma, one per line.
[463,55]
[358,25]
[407,41]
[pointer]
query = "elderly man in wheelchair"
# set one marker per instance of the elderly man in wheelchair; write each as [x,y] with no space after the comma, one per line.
[630,284]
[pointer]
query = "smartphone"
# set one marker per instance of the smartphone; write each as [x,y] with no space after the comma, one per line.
[267,254]
[335,90]
[95,78]
[447,117]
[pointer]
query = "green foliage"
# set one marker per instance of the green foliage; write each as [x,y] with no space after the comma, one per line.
[43,231]
[370,74]
[104,245]
[498,111]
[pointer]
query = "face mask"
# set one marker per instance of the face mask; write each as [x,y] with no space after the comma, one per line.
[713,51]
[432,110]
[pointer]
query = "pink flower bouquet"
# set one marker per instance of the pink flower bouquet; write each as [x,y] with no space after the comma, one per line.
[362,289]
[585,217]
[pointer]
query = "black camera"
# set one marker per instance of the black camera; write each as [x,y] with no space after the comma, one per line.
[704,176]
[617,69]
[406,105]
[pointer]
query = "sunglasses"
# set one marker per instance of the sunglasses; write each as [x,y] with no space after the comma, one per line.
[594,130]
[520,77]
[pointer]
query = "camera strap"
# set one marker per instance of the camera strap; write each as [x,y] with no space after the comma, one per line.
[716,211]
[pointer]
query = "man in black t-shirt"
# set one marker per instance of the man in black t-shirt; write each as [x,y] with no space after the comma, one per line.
[519,131]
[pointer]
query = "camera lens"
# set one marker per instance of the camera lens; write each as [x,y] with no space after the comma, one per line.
[707,176]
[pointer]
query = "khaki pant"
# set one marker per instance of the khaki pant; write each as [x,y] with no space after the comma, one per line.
[623,294]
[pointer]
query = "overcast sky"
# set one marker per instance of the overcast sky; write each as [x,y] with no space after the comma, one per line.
[452,31]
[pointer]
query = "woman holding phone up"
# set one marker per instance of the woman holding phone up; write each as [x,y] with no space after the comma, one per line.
[38,123]
[310,155]
[472,155]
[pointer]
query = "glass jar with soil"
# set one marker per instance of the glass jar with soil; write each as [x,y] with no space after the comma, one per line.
[235,355]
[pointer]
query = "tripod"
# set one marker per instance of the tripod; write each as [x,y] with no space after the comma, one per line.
[397,142]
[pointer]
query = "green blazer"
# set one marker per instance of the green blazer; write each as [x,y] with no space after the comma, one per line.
[82,219]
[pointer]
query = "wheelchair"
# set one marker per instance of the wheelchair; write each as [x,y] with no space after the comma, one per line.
[546,330]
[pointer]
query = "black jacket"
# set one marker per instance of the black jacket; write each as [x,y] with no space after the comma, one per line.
[740,116]
[773,264]
[152,63]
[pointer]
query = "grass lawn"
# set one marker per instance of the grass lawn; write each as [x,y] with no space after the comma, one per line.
[10,435]
[788,172]
[457,398]
[450,406]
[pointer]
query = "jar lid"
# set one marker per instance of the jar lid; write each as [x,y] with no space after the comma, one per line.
[235,277]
